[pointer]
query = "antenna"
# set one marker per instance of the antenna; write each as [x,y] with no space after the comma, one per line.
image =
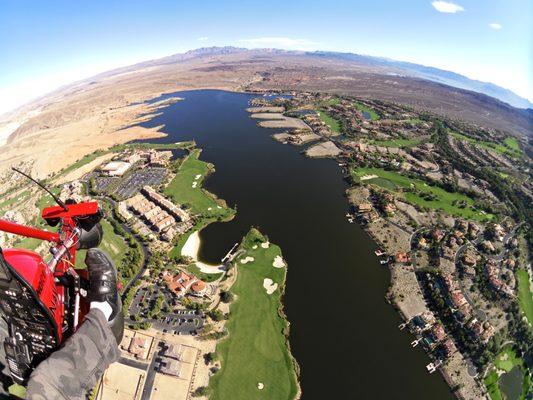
[57,200]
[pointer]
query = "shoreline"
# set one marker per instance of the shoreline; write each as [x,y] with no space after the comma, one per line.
[191,249]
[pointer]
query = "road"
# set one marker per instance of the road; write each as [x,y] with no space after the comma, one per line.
[146,252]
[150,376]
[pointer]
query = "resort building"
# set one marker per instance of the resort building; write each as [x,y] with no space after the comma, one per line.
[116,168]
[183,283]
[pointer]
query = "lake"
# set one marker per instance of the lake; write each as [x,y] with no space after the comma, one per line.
[343,333]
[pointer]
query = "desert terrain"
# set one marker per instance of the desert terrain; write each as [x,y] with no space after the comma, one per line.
[58,129]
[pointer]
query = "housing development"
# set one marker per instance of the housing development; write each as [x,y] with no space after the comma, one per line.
[448,204]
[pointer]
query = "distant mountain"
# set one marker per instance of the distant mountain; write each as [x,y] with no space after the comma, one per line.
[378,65]
[433,74]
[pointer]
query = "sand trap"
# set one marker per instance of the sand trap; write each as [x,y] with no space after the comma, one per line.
[219,207]
[254,246]
[260,386]
[265,245]
[269,285]
[246,260]
[190,249]
[197,177]
[278,262]
[367,177]
[209,208]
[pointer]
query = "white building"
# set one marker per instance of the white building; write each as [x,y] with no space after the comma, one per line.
[116,168]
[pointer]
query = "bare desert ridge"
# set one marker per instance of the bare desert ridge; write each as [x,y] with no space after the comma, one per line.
[63,126]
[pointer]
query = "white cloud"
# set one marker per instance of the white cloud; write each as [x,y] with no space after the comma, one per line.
[281,43]
[495,25]
[447,7]
[202,39]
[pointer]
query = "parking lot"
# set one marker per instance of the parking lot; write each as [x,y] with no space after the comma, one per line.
[102,183]
[180,322]
[135,181]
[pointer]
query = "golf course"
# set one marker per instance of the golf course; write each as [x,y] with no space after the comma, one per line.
[255,358]
[416,191]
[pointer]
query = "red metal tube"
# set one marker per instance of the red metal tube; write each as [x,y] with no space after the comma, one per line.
[28,231]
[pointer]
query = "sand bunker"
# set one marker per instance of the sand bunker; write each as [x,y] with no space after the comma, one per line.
[260,386]
[269,285]
[278,262]
[254,246]
[367,177]
[265,245]
[246,260]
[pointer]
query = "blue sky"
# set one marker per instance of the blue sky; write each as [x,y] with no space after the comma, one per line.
[45,44]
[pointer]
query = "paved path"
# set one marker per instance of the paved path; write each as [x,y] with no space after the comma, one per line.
[150,376]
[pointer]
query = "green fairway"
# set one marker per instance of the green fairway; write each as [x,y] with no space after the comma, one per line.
[525,296]
[43,201]
[15,199]
[512,143]
[506,361]
[413,190]
[112,244]
[510,146]
[491,382]
[84,160]
[333,124]
[153,146]
[374,116]
[186,188]
[400,142]
[255,350]
[193,269]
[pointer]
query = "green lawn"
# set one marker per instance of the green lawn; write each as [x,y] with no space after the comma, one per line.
[121,147]
[445,201]
[333,124]
[20,197]
[505,361]
[45,200]
[400,142]
[255,350]
[491,382]
[193,269]
[186,188]
[112,244]
[84,160]
[415,121]
[363,108]
[525,296]
[154,146]
[508,148]
[512,143]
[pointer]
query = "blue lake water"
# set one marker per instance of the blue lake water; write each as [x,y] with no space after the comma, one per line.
[343,333]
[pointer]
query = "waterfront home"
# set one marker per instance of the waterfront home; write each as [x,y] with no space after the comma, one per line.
[401,257]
